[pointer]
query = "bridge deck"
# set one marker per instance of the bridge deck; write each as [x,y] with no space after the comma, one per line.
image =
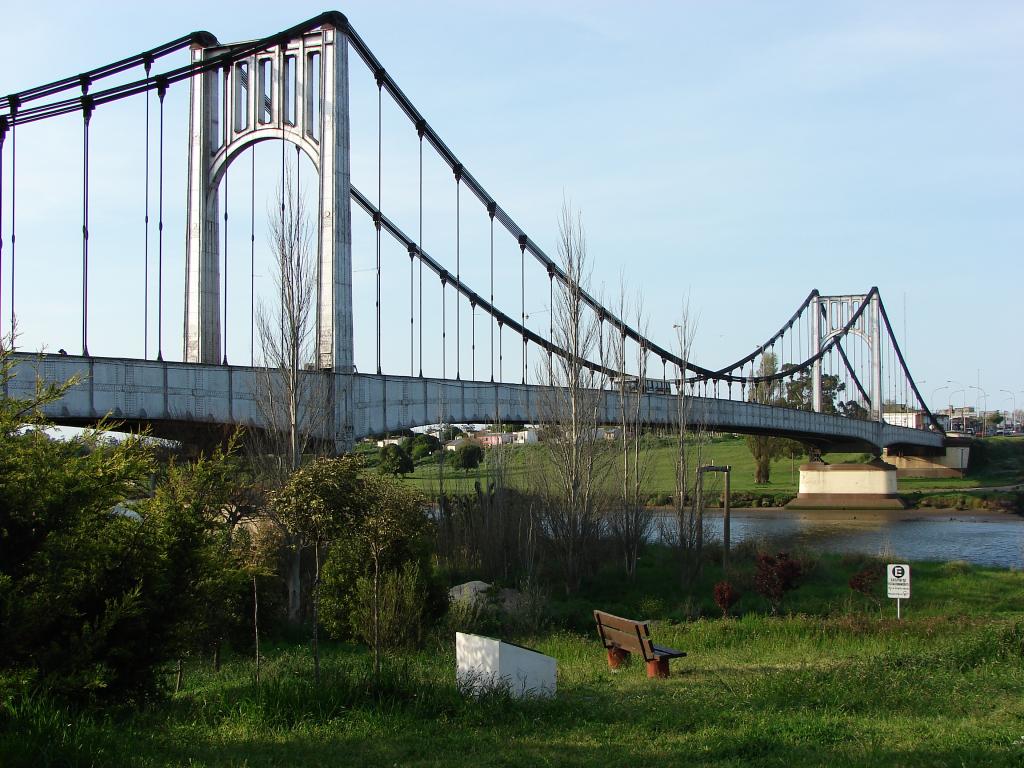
[170,396]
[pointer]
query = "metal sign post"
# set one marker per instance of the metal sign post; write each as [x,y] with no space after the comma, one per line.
[898,583]
[727,471]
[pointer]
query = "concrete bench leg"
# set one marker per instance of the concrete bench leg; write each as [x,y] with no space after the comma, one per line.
[617,657]
[657,668]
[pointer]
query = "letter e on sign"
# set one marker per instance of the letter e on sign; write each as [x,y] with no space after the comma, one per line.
[899,580]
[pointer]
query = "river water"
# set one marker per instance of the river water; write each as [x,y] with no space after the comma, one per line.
[983,539]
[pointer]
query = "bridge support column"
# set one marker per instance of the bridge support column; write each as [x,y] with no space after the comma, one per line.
[202,253]
[847,486]
[952,461]
[334,302]
[334,308]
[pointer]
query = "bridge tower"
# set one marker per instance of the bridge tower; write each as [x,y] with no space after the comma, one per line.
[297,92]
[829,316]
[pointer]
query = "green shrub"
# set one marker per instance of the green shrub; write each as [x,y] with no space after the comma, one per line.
[349,559]
[393,460]
[402,603]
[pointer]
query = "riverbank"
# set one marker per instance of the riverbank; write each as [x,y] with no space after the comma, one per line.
[834,680]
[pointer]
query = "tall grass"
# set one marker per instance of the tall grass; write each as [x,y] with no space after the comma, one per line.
[834,681]
[845,689]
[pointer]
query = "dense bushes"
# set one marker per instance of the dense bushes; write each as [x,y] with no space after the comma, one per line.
[112,567]
[100,585]
[385,529]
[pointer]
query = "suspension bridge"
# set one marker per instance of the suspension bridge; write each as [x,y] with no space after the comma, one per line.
[473,353]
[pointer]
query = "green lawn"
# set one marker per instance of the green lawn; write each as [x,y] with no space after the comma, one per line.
[523,461]
[839,686]
[1003,465]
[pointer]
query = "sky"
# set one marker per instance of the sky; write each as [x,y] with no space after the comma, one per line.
[729,155]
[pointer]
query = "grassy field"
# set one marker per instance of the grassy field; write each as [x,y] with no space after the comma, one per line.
[834,683]
[1003,464]
[523,461]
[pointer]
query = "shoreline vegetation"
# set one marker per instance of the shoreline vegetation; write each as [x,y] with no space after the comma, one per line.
[832,677]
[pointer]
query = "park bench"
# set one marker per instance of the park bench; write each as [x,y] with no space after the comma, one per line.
[622,637]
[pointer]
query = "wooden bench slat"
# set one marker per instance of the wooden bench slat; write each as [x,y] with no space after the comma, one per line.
[634,637]
[627,641]
[617,622]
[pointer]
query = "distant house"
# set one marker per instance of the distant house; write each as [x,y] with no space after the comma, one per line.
[526,436]
[390,441]
[491,439]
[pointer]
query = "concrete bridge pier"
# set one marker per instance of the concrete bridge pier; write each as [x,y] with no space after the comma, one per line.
[847,486]
[950,461]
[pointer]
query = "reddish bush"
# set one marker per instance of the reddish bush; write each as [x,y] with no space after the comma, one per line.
[776,576]
[726,596]
[864,581]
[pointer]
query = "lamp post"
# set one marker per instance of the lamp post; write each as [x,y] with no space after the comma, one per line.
[1013,413]
[984,394]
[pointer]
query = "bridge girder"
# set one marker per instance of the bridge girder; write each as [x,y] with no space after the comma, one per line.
[171,396]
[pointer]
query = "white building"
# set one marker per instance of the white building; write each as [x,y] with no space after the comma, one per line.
[526,436]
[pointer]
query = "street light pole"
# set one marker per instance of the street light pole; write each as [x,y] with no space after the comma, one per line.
[984,394]
[1013,413]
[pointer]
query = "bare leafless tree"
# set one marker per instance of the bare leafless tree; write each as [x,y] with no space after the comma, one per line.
[570,408]
[691,440]
[292,397]
[630,520]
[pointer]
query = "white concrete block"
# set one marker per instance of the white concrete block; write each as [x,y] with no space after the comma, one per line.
[483,663]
